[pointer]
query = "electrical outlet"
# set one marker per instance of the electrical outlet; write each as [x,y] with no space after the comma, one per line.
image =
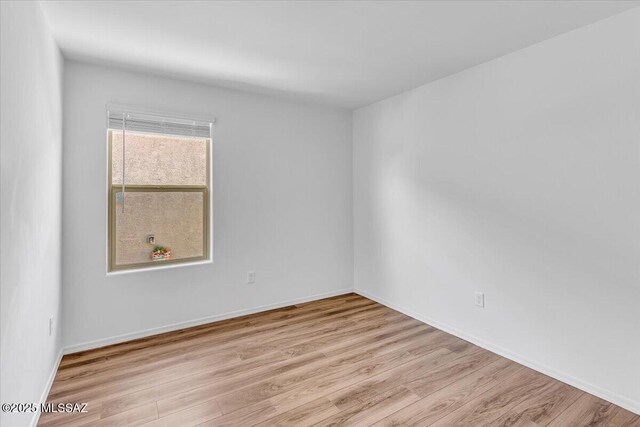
[50,325]
[251,277]
[480,299]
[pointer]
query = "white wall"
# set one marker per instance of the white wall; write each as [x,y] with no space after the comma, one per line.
[30,214]
[282,204]
[519,178]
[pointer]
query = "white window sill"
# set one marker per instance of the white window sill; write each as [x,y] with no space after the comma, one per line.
[159,267]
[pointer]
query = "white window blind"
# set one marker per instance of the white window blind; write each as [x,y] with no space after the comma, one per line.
[151,123]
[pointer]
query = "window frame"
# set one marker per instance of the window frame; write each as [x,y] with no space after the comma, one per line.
[112,189]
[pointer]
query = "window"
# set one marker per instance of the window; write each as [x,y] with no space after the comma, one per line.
[159,195]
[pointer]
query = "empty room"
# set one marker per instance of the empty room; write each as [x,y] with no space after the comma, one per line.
[320,213]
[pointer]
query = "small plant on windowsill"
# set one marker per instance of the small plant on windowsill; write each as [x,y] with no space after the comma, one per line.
[160,253]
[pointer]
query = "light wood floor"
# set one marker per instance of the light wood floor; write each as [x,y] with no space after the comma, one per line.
[340,361]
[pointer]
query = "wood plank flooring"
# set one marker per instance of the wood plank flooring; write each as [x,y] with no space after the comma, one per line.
[339,361]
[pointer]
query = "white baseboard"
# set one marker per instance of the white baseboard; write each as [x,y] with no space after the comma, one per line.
[47,388]
[89,345]
[610,396]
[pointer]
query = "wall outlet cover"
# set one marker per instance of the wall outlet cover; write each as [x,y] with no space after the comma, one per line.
[480,299]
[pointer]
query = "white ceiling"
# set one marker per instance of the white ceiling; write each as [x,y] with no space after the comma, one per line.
[348,53]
